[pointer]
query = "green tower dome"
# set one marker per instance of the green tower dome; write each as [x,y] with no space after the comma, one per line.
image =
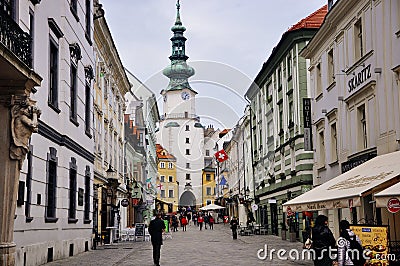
[178,71]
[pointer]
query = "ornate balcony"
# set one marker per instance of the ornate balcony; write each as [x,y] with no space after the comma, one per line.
[12,37]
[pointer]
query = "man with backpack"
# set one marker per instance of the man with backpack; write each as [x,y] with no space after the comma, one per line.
[350,250]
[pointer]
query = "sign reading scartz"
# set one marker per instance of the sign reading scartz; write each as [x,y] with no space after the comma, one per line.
[359,78]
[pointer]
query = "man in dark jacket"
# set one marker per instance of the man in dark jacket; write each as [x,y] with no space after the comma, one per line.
[156,228]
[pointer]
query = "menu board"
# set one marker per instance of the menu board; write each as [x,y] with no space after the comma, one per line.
[139,230]
[374,239]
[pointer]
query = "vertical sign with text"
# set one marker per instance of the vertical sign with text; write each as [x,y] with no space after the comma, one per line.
[307,124]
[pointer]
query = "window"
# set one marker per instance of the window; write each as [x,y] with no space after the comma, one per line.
[187,165]
[334,147]
[208,202]
[358,40]
[73,103]
[53,76]
[331,67]
[29,186]
[162,193]
[208,177]
[170,165]
[187,128]
[289,66]
[321,141]
[207,152]
[72,191]
[87,109]
[88,19]
[51,185]
[187,176]
[208,191]
[162,178]
[162,165]
[281,118]
[186,114]
[318,84]
[32,31]
[86,215]
[74,8]
[187,140]
[170,179]
[170,193]
[363,138]
[187,152]
[279,78]
[291,112]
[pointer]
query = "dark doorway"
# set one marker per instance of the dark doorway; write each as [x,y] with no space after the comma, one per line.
[274,219]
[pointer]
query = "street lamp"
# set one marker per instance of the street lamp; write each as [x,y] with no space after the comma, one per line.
[112,193]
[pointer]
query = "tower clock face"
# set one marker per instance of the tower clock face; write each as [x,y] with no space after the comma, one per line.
[185,95]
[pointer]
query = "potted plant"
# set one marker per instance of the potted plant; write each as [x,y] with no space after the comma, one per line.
[283,230]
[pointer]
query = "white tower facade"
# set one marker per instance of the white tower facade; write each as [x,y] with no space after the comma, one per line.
[180,130]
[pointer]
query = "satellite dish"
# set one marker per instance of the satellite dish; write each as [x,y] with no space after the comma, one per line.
[254,207]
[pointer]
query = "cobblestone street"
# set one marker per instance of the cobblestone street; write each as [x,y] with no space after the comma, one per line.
[193,247]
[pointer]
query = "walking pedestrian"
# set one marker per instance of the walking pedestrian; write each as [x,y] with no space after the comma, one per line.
[195,219]
[200,221]
[189,217]
[184,222]
[205,221]
[346,254]
[156,228]
[211,222]
[234,224]
[323,241]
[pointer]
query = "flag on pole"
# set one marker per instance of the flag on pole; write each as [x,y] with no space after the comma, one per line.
[221,156]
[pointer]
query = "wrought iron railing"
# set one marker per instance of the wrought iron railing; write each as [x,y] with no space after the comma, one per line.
[13,37]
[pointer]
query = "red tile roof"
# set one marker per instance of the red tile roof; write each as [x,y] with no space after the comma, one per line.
[163,153]
[312,21]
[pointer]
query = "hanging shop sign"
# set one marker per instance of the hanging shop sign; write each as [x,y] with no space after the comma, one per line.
[124,203]
[393,205]
[307,124]
[375,240]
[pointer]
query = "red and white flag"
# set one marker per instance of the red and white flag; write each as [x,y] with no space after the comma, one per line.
[221,156]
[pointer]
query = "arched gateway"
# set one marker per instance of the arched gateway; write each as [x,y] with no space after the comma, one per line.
[187,199]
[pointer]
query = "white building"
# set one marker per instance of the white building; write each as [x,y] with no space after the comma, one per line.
[151,118]
[180,130]
[54,213]
[354,72]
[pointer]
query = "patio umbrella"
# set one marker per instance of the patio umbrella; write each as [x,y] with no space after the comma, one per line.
[211,207]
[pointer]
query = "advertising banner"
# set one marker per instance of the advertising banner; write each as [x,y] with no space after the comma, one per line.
[374,239]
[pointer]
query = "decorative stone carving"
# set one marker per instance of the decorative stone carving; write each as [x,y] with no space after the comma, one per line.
[89,75]
[24,121]
[75,52]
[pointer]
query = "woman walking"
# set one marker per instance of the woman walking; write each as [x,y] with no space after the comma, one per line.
[323,241]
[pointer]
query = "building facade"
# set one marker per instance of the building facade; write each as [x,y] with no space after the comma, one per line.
[180,130]
[54,211]
[282,166]
[167,185]
[211,137]
[151,119]
[111,85]
[354,72]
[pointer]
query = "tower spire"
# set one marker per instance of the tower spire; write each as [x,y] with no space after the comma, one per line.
[178,72]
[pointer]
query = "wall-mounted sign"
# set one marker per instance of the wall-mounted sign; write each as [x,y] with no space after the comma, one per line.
[393,205]
[307,124]
[359,78]
[124,203]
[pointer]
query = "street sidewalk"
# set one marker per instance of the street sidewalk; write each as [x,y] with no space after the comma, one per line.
[193,247]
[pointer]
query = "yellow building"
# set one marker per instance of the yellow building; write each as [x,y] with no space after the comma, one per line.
[167,186]
[208,186]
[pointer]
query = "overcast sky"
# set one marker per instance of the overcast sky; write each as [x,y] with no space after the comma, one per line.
[228,41]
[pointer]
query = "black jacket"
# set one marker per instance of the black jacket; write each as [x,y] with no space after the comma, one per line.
[322,237]
[156,228]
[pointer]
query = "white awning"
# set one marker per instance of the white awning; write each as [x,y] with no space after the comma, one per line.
[346,190]
[384,196]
